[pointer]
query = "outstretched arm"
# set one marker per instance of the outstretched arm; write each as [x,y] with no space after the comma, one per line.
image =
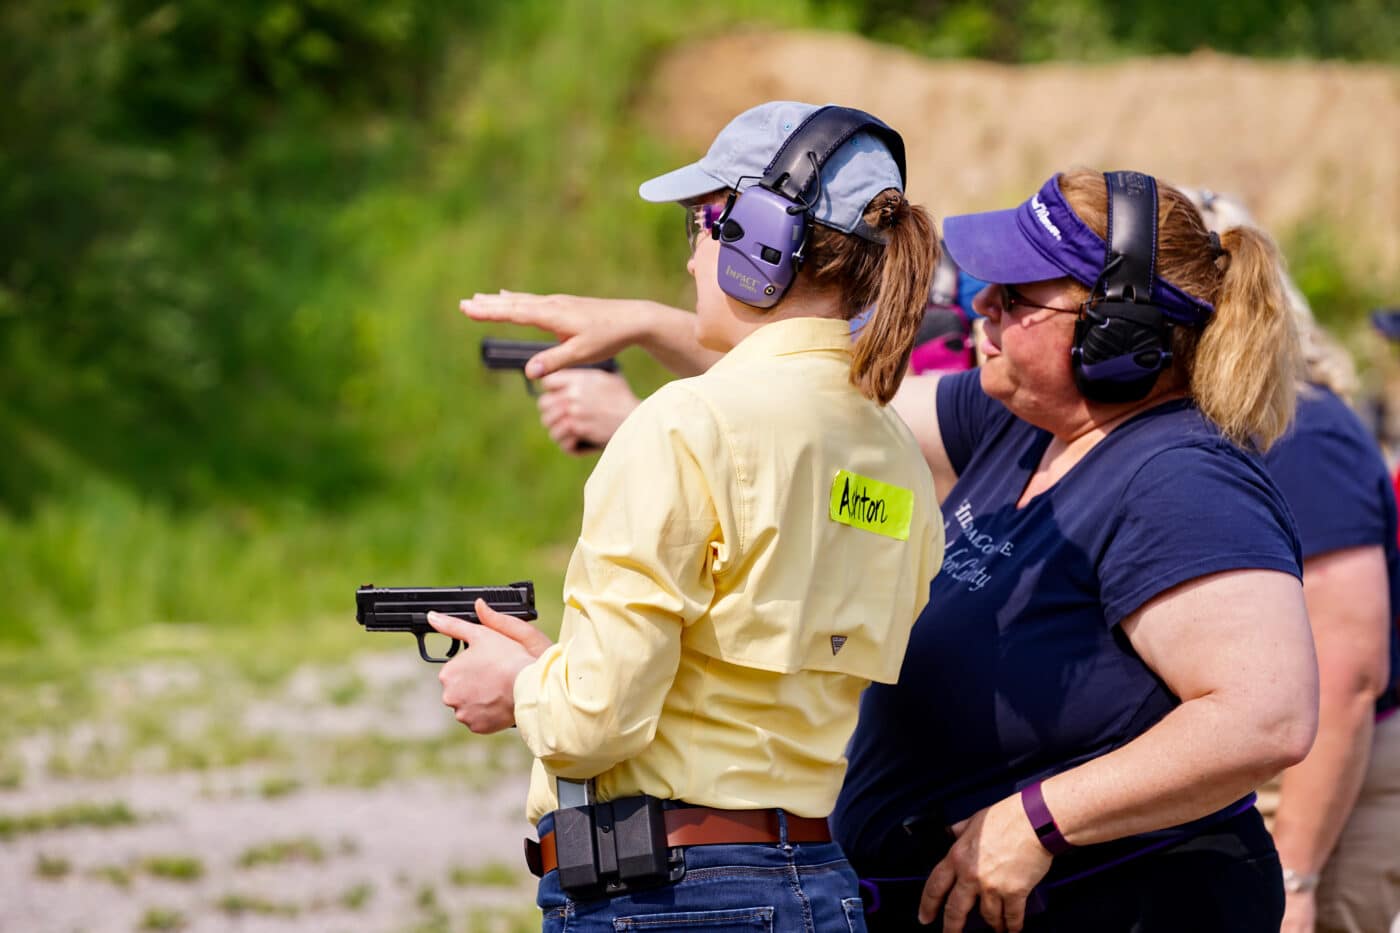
[593,329]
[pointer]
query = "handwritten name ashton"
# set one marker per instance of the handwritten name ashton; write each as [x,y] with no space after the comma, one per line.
[861,506]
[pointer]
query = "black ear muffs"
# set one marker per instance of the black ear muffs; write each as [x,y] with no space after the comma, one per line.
[1122,341]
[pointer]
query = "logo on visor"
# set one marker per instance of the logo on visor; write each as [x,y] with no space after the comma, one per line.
[837,643]
[1042,214]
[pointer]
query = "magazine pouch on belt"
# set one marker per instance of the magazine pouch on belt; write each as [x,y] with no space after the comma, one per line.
[614,847]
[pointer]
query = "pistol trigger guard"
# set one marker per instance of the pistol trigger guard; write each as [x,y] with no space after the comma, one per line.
[423,649]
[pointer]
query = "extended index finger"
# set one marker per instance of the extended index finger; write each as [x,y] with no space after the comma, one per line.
[453,627]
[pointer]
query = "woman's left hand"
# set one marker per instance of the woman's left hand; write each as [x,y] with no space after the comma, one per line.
[995,863]
[479,682]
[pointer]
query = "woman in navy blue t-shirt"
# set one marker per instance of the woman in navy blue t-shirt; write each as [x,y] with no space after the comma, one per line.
[1116,651]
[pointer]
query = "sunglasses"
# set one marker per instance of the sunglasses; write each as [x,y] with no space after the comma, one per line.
[1013,299]
[700,219]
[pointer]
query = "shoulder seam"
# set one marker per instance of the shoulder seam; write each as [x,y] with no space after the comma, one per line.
[1183,445]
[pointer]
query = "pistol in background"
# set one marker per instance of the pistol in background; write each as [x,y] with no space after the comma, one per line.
[513,354]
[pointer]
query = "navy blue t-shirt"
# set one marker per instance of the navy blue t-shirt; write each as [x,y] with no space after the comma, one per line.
[1335,480]
[1017,668]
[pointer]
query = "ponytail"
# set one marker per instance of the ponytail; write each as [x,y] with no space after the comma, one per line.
[1243,367]
[895,277]
[1247,360]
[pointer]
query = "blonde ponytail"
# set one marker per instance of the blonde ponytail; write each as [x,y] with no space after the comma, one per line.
[1247,360]
[1242,368]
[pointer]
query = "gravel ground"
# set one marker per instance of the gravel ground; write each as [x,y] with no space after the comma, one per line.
[275,844]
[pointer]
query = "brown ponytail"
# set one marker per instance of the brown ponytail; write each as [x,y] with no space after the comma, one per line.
[895,276]
[1243,367]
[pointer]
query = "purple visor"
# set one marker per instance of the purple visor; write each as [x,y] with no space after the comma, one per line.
[1045,239]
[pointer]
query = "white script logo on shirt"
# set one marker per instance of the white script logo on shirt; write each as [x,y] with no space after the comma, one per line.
[967,561]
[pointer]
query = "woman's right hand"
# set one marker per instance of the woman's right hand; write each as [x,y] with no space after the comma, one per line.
[582,408]
[589,329]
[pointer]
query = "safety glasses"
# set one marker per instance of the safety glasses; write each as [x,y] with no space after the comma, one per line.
[1011,299]
[700,219]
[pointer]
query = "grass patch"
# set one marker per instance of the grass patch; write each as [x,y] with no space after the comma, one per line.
[118,875]
[11,772]
[99,815]
[239,904]
[173,867]
[346,691]
[356,896]
[103,758]
[282,852]
[52,867]
[163,918]
[225,745]
[369,759]
[145,741]
[275,787]
[435,919]
[489,875]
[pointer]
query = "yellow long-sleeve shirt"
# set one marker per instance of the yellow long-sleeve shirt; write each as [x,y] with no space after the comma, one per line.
[743,571]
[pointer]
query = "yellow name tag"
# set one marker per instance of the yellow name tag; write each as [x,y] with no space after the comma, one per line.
[862,502]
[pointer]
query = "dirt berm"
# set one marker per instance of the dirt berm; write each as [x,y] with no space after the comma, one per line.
[1300,142]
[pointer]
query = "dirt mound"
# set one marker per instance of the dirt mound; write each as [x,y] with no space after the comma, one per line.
[1298,141]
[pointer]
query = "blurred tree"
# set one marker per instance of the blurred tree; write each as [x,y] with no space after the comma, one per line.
[165,173]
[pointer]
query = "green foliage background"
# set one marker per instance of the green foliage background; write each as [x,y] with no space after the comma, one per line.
[234,235]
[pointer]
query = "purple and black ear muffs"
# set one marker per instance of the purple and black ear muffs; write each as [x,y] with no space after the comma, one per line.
[1122,340]
[763,230]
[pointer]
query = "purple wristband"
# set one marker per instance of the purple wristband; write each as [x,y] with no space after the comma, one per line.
[1033,802]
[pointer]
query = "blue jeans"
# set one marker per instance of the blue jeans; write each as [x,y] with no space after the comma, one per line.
[757,887]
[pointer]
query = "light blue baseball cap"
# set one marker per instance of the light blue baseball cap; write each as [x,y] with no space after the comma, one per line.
[851,178]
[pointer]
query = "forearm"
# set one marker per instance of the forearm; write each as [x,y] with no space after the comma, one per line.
[669,335]
[1199,758]
[1348,609]
[1317,795]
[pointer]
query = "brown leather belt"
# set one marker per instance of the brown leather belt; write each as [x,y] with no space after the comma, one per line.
[703,826]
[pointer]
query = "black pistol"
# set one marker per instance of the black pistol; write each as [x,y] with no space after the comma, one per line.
[406,608]
[513,354]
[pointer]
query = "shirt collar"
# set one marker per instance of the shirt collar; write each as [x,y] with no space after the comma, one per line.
[793,335]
